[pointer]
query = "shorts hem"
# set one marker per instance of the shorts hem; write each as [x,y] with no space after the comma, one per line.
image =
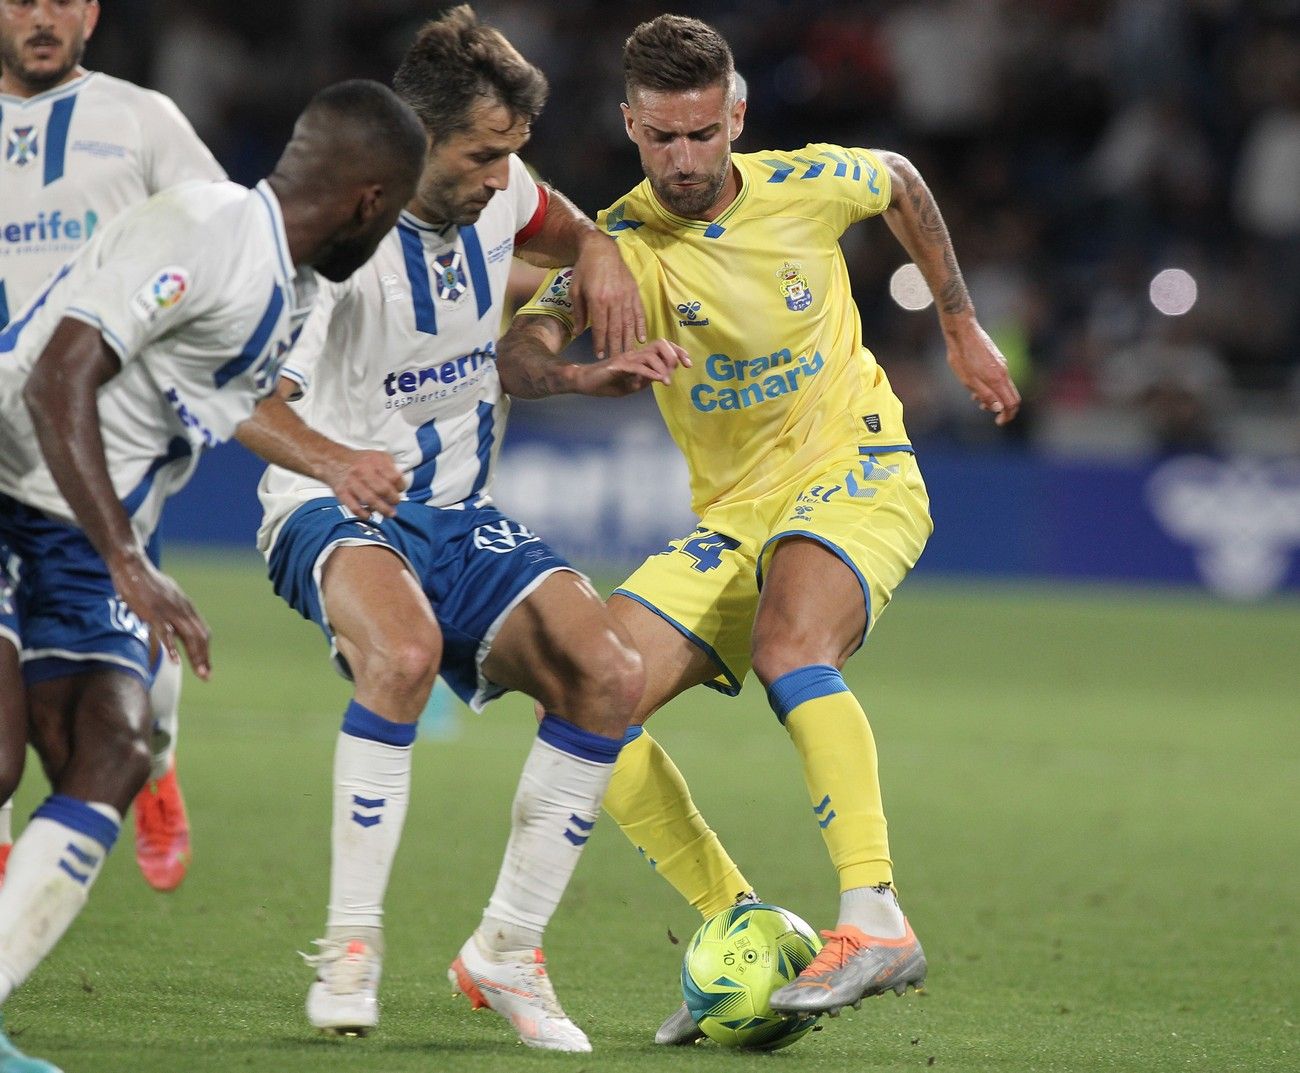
[44,665]
[732,688]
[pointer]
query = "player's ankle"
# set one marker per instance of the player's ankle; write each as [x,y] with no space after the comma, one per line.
[372,936]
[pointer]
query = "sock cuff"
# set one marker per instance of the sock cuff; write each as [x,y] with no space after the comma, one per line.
[802,685]
[360,722]
[560,734]
[80,817]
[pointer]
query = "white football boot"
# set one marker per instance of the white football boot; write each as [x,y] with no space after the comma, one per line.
[516,986]
[344,999]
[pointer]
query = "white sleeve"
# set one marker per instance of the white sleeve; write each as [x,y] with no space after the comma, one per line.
[171,152]
[152,278]
[301,361]
[527,200]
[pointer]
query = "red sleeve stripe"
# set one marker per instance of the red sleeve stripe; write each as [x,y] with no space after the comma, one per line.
[539,217]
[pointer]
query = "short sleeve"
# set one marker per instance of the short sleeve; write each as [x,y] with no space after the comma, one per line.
[553,299]
[301,361]
[837,185]
[152,276]
[528,200]
[172,152]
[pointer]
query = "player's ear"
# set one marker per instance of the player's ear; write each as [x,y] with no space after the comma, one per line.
[91,19]
[627,118]
[737,118]
[371,202]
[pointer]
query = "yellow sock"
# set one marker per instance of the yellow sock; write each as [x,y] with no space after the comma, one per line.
[831,732]
[652,805]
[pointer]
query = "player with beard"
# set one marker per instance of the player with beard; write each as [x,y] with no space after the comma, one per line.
[402,358]
[79,147]
[812,509]
[154,342]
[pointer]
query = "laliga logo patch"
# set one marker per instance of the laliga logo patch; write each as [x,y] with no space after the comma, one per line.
[22,147]
[794,285]
[164,290]
[557,294]
[452,281]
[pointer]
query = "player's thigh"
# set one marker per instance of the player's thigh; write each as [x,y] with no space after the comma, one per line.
[562,646]
[672,663]
[839,550]
[811,610]
[377,611]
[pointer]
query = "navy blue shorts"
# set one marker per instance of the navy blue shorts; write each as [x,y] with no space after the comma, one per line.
[475,566]
[57,602]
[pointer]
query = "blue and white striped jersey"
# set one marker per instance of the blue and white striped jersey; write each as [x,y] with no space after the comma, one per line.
[196,293]
[401,357]
[71,159]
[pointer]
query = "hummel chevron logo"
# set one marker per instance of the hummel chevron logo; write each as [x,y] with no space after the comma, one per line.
[579,837]
[818,810]
[369,805]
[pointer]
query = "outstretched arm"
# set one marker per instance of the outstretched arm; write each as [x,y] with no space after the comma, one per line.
[916,222]
[531,366]
[62,395]
[604,292]
[365,482]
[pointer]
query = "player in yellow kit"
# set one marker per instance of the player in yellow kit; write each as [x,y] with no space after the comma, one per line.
[811,506]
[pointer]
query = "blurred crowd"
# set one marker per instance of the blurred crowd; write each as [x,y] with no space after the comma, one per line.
[1076,147]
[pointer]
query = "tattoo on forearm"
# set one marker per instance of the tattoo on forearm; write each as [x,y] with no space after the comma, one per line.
[952,296]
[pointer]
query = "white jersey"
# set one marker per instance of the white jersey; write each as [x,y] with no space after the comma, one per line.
[401,357]
[73,158]
[195,292]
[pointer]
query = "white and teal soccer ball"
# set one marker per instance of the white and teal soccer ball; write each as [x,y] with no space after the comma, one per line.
[732,966]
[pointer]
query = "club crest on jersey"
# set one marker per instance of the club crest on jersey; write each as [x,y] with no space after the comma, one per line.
[163,290]
[689,312]
[794,285]
[22,146]
[452,281]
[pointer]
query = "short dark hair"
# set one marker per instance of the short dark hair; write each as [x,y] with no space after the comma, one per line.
[378,122]
[454,63]
[673,52]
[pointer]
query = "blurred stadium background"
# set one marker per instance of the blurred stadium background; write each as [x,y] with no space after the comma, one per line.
[1122,181]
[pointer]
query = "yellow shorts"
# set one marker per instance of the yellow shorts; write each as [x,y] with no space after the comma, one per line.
[870,510]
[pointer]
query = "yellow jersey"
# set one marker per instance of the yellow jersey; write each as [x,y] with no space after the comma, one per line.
[760,300]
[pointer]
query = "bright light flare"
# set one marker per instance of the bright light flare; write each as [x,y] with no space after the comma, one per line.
[1173,292]
[908,288]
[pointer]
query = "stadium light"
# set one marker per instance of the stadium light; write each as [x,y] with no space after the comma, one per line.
[1173,291]
[908,288]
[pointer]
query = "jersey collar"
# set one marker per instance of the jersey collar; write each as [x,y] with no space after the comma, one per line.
[412,221]
[717,225]
[65,90]
[272,204]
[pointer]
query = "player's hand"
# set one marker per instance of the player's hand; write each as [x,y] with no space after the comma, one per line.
[367,483]
[631,370]
[161,605]
[605,296]
[980,366]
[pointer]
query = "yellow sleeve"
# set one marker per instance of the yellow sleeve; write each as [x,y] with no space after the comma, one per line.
[835,184]
[553,300]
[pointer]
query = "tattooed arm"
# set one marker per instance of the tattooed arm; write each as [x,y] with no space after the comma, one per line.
[914,218]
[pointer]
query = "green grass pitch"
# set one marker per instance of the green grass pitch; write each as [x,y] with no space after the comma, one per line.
[1093,798]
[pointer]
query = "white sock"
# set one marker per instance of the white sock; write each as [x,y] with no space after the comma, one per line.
[873,910]
[164,706]
[51,870]
[6,822]
[555,808]
[372,786]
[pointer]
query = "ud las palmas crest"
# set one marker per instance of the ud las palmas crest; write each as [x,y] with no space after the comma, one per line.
[794,285]
[452,281]
[21,148]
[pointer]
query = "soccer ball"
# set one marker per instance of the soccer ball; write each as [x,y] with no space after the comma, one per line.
[732,966]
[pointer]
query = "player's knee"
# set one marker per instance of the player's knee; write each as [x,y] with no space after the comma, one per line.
[405,668]
[120,749]
[605,687]
[773,659]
